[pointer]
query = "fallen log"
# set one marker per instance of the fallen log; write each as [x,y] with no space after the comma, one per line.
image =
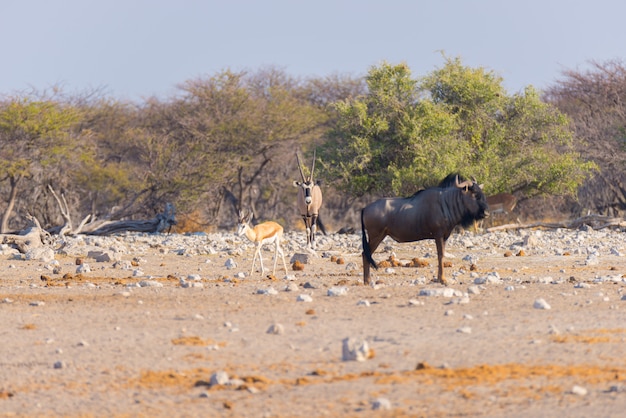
[163,221]
[32,237]
[595,222]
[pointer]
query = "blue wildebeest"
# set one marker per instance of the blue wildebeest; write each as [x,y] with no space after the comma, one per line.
[309,202]
[429,214]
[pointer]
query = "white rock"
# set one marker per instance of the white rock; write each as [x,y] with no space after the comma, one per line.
[276,329]
[363,302]
[43,254]
[541,304]
[446,292]
[353,349]
[150,283]
[464,330]
[337,291]
[291,287]
[473,290]
[304,298]
[381,404]
[579,390]
[219,378]
[268,291]
[230,264]
[83,268]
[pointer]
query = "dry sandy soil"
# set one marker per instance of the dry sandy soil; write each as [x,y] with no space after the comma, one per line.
[90,345]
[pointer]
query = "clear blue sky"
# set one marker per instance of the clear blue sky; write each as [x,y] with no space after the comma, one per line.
[135,49]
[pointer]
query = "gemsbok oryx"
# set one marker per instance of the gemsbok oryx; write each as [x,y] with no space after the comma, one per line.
[429,214]
[309,202]
[264,233]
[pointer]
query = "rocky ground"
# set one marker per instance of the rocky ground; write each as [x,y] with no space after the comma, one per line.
[532,323]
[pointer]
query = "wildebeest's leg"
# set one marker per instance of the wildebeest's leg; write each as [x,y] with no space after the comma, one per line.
[374,242]
[441,248]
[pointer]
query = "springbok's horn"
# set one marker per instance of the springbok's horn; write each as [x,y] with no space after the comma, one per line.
[300,167]
[313,166]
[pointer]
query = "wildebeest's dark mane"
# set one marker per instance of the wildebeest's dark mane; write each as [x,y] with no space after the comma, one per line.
[449,181]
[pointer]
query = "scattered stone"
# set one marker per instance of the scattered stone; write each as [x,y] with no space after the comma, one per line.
[541,304]
[302,258]
[150,283]
[363,302]
[464,330]
[43,254]
[60,365]
[291,287]
[219,378]
[268,291]
[381,404]
[579,390]
[446,292]
[276,329]
[83,268]
[337,291]
[304,298]
[592,260]
[356,350]
[230,264]
[473,290]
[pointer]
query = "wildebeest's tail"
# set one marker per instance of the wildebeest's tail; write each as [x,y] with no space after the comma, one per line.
[321,225]
[366,245]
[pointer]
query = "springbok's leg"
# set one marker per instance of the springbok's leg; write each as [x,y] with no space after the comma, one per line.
[282,254]
[258,251]
[276,246]
[441,248]
[254,259]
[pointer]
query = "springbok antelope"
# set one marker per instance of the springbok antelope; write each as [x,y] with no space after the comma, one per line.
[264,233]
[309,202]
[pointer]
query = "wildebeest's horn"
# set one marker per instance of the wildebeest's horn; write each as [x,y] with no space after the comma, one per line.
[463,185]
[300,167]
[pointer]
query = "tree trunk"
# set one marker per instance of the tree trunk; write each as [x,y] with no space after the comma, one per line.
[4,226]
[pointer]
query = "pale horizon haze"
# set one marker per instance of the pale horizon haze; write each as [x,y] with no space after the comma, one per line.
[135,49]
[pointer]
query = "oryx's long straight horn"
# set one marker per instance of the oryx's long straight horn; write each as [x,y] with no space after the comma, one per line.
[313,166]
[300,166]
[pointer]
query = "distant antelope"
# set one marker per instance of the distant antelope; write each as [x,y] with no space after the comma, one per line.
[501,203]
[264,233]
[309,202]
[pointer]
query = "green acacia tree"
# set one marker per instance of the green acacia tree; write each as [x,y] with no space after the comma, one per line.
[36,139]
[405,134]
